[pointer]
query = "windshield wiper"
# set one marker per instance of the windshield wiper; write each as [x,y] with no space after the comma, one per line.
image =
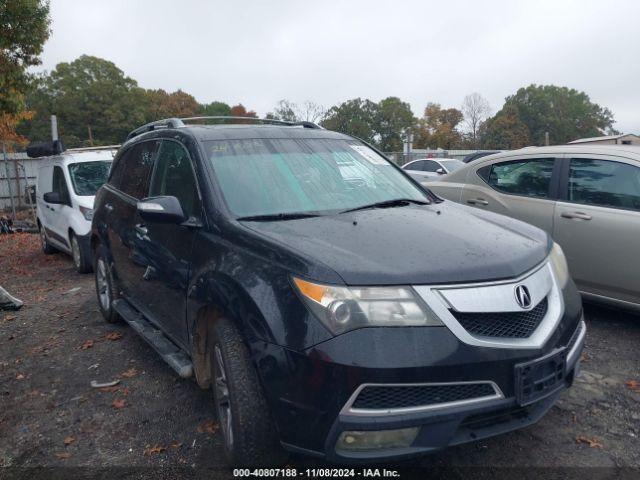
[397,202]
[272,217]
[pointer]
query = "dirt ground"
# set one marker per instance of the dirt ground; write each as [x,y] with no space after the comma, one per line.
[58,343]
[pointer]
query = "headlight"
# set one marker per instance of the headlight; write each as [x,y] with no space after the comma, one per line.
[559,264]
[87,213]
[347,308]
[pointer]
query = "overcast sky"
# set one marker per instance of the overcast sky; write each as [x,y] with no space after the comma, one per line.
[257,52]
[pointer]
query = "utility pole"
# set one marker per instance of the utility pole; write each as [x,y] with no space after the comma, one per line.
[546,138]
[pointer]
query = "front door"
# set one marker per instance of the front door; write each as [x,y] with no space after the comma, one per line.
[520,188]
[597,225]
[165,249]
[129,182]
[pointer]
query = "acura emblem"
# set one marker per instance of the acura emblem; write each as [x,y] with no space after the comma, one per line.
[523,297]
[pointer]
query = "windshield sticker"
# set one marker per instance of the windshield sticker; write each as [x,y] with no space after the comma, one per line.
[369,154]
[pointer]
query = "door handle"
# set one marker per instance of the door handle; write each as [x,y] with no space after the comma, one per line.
[477,201]
[574,215]
[108,207]
[141,230]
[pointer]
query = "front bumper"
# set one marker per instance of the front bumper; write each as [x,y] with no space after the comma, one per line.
[308,390]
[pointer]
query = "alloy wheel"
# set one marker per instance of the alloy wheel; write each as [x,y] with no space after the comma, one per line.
[104,290]
[223,404]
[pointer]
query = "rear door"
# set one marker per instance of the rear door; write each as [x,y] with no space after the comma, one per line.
[45,184]
[597,223]
[165,250]
[522,188]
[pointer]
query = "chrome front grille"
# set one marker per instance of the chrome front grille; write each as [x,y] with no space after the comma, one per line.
[388,399]
[503,324]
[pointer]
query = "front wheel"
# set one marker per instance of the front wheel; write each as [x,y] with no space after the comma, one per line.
[105,287]
[250,435]
[79,255]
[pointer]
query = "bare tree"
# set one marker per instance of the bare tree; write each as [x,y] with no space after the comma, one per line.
[309,111]
[476,109]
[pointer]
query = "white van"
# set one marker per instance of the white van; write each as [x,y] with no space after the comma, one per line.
[67,184]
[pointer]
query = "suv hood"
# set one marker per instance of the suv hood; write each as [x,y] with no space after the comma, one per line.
[414,245]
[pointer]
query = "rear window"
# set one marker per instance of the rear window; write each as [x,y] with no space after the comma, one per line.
[88,177]
[274,176]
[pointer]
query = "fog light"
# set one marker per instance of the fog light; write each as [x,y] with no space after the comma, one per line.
[377,439]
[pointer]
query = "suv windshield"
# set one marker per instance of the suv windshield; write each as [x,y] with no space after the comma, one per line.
[88,177]
[279,176]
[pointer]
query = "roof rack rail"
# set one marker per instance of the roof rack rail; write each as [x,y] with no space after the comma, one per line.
[166,123]
[91,149]
[180,122]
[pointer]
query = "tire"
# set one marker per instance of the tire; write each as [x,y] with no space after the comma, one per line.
[106,289]
[79,255]
[250,435]
[46,246]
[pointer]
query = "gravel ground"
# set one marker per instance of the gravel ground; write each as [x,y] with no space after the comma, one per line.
[58,343]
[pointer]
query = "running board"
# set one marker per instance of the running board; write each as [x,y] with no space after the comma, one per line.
[169,352]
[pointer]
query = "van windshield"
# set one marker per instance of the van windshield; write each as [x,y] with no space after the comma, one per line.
[88,177]
[280,176]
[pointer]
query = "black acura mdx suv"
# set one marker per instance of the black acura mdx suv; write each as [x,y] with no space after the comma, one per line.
[334,306]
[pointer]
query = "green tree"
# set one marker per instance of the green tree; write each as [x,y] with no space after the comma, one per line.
[160,104]
[24,27]
[95,102]
[505,131]
[355,117]
[566,114]
[392,119]
[285,110]
[215,109]
[438,128]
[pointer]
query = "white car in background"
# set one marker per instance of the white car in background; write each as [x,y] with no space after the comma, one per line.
[427,169]
[66,186]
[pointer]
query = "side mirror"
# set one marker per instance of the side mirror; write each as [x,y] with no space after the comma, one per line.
[163,209]
[54,198]
[440,171]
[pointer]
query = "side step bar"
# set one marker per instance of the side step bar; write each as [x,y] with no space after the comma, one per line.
[169,352]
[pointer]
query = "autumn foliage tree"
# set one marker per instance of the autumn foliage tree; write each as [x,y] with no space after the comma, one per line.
[438,128]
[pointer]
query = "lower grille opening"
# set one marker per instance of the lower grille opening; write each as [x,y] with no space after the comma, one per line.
[390,397]
[476,422]
[503,324]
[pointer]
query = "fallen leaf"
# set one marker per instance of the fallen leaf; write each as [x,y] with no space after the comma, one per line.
[69,440]
[86,345]
[208,426]
[593,443]
[132,372]
[113,336]
[20,376]
[118,403]
[176,445]
[154,450]
[633,385]
[63,455]
[8,318]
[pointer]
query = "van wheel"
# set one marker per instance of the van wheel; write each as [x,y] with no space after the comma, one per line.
[105,287]
[80,259]
[46,246]
[250,436]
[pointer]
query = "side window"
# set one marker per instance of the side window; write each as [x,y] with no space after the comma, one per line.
[134,170]
[115,176]
[173,176]
[59,183]
[431,166]
[416,166]
[604,183]
[530,178]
